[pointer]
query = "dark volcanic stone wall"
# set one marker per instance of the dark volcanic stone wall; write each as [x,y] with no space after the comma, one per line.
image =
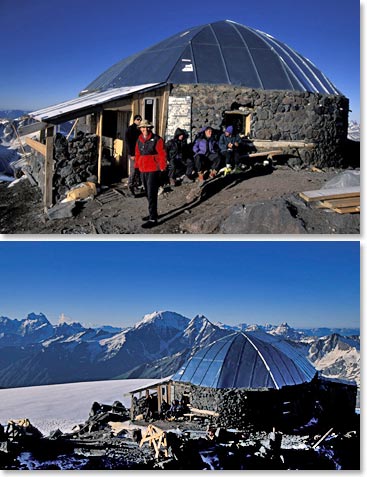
[286,408]
[278,116]
[260,408]
[76,161]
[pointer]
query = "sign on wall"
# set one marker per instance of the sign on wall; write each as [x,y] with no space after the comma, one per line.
[179,115]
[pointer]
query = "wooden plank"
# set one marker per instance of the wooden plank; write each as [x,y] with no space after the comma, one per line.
[49,161]
[348,202]
[325,194]
[204,412]
[281,144]
[99,133]
[348,210]
[265,153]
[32,128]
[37,146]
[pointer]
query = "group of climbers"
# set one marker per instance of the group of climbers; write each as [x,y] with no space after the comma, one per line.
[152,162]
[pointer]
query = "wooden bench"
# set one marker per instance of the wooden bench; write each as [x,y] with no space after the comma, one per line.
[195,412]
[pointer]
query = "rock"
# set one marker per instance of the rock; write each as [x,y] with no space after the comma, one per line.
[61,211]
[269,217]
[295,163]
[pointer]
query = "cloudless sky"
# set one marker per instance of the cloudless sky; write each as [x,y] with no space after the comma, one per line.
[307,284]
[51,50]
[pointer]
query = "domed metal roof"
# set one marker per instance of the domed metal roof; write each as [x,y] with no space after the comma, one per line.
[241,360]
[224,52]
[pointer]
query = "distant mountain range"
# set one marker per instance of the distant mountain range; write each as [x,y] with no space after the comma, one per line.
[35,352]
[12,113]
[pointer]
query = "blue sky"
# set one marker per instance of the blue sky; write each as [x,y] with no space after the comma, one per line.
[52,50]
[307,284]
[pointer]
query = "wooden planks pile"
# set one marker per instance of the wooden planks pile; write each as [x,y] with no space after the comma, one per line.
[342,200]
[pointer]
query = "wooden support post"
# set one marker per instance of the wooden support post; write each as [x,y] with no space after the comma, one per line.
[49,160]
[20,142]
[99,132]
[72,129]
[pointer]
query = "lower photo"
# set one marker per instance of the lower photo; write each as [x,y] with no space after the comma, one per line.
[180,355]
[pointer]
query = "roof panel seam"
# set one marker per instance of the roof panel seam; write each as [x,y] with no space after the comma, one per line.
[263,360]
[221,53]
[250,54]
[271,40]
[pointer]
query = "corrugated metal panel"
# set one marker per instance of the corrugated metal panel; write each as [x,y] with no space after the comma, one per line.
[241,360]
[86,101]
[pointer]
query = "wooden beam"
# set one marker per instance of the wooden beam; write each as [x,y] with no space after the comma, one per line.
[348,210]
[36,145]
[31,128]
[99,133]
[164,111]
[325,194]
[282,144]
[348,202]
[49,161]
[265,153]
[72,129]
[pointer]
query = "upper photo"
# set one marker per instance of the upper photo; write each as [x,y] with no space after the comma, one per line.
[123,120]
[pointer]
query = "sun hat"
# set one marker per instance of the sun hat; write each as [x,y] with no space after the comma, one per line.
[145,124]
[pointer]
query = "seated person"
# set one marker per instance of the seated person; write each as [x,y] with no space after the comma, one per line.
[207,155]
[164,410]
[228,146]
[176,409]
[179,155]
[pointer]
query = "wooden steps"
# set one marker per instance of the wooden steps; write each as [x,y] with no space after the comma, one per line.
[343,200]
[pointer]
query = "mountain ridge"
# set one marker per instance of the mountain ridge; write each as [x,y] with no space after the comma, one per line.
[35,352]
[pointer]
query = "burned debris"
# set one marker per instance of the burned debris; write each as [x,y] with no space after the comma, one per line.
[108,440]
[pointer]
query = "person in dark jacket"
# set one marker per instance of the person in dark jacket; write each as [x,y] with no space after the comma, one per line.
[150,159]
[207,155]
[228,146]
[180,157]
[131,136]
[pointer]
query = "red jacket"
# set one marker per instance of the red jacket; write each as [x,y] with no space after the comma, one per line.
[150,154]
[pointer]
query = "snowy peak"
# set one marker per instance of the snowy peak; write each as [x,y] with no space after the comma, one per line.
[164,319]
[337,356]
[197,327]
[33,322]
[37,318]
[286,331]
[68,329]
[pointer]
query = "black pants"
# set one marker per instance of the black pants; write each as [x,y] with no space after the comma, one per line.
[231,157]
[151,182]
[211,161]
[134,176]
[178,167]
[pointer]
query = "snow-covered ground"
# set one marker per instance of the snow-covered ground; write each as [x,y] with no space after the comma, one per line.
[61,406]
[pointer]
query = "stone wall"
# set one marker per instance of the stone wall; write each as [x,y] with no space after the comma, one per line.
[75,161]
[277,116]
[286,408]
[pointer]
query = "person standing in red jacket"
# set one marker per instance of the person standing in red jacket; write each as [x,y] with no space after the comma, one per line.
[151,160]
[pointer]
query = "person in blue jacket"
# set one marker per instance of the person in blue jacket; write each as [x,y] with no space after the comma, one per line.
[206,154]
